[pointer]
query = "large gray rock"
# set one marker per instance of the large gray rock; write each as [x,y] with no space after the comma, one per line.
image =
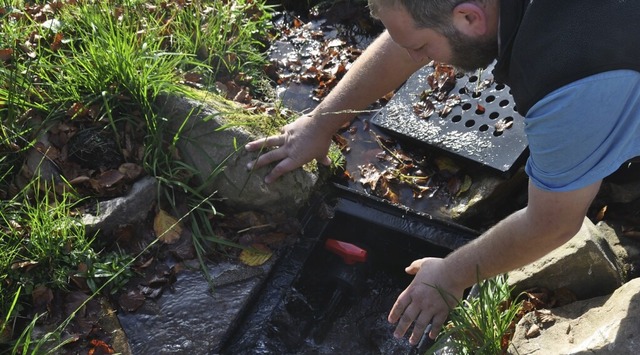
[129,209]
[626,249]
[211,145]
[191,319]
[585,265]
[490,196]
[602,325]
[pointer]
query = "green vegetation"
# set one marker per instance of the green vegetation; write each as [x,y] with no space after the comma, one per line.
[482,323]
[103,65]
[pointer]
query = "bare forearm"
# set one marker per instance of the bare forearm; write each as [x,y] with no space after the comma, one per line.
[521,238]
[512,243]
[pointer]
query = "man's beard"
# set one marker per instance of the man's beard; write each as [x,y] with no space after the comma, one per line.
[469,54]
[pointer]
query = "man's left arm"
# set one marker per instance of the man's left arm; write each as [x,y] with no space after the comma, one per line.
[549,220]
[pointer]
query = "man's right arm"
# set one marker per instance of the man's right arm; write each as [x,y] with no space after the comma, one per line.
[381,68]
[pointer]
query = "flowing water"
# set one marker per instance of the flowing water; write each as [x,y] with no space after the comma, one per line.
[335,307]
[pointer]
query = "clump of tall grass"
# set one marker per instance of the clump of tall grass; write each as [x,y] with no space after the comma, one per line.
[482,323]
[104,63]
[43,246]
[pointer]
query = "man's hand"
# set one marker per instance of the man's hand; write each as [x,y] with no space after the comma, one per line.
[300,142]
[428,299]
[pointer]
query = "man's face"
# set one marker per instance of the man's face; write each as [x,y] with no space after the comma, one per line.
[469,53]
[453,48]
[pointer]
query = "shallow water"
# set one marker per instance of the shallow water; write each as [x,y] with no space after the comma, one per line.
[332,307]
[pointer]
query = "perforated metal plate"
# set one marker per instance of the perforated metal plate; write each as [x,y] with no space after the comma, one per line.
[482,126]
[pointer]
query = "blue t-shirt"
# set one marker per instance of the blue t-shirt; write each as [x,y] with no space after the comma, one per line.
[584,131]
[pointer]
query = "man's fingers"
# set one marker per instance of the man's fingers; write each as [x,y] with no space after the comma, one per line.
[415,266]
[436,324]
[325,160]
[285,166]
[267,158]
[398,308]
[419,327]
[409,315]
[271,141]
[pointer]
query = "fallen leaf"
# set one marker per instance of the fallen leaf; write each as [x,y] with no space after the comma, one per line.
[369,176]
[533,332]
[110,178]
[100,347]
[424,109]
[167,227]
[544,316]
[341,142]
[466,184]
[504,124]
[41,297]
[446,164]
[257,255]
[601,213]
[6,54]
[131,300]
[131,171]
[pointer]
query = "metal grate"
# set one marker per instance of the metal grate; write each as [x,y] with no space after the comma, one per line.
[468,115]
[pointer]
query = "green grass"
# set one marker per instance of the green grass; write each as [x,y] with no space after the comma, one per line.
[42,246]
[482,323]
[105,63]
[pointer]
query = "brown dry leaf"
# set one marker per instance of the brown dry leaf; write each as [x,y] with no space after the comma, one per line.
[131,171]
[601,213]
[167,227]
[100,347]
[131,301]
[369,176]
[342,143]
[544,316]
[57,41]
[6,54]
[424,109]
[387,192]
[110,178]
[257,255]
[42,297]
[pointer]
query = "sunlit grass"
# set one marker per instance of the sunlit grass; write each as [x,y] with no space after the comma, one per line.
[482,323]
[117,58]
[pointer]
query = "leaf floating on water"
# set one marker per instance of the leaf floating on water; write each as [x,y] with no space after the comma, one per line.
[257,255]
[387,192]
[167,227]
[465,185]
[446,164]
[369,176]
[341,142]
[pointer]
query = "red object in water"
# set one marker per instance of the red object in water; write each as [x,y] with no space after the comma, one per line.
[349,253]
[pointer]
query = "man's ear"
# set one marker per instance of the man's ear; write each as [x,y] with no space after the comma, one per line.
[470,19]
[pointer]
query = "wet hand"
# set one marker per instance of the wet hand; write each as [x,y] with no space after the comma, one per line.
[427,300]
[300,142]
